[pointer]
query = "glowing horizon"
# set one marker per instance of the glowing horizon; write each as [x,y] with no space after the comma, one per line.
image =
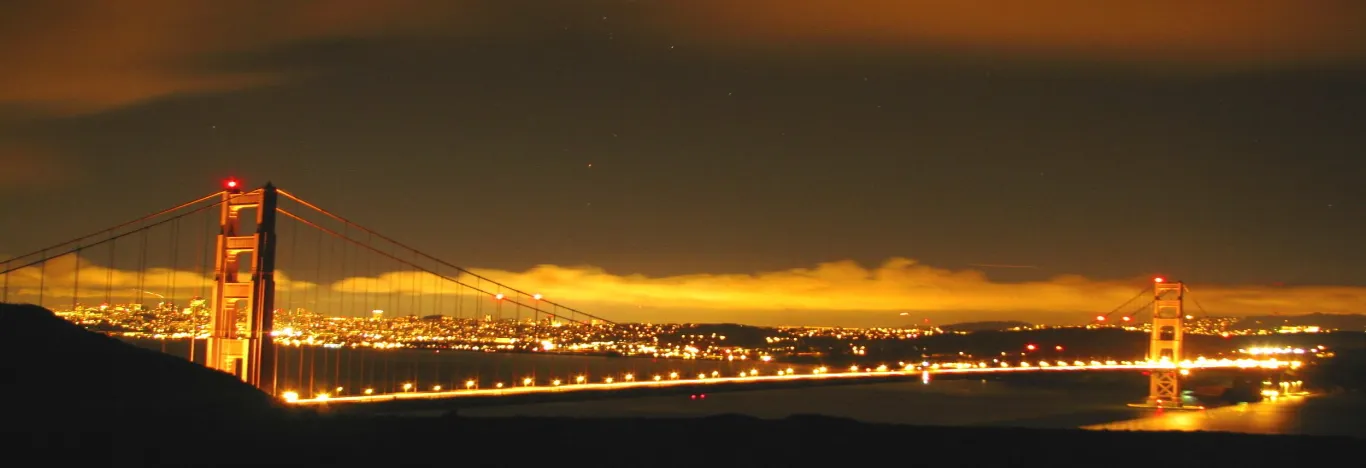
[833,292]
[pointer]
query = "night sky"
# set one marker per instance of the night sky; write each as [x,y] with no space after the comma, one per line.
[704,157]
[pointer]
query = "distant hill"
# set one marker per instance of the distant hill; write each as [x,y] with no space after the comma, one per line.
[983,326]
[56,375]
[736,334]
[1354,322]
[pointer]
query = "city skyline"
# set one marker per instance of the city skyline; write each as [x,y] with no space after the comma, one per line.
[827,162]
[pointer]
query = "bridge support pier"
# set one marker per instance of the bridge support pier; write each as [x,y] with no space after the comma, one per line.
[243,313]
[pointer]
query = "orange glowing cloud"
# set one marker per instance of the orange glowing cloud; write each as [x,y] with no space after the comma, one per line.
[65,278]
[899,284]
[830,293]
[1207,32]
[845,290]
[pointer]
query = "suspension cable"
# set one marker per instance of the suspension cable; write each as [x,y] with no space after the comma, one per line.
[110,239]
[1195,301]
[1121,306]
[1140,310]
[120,226]
[419,252]
[415,266]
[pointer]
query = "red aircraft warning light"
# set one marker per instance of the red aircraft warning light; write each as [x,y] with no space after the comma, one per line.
[1126,319]
[1031,347]
[1159,279]
[232,185]
[1100,318]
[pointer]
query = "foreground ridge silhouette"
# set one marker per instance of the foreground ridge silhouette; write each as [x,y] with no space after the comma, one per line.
[56,374]
[78,396]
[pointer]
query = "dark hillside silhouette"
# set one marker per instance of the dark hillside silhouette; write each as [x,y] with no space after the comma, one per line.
[54,374]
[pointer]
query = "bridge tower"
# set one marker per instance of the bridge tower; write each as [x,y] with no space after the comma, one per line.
[1164,388]
[243,311]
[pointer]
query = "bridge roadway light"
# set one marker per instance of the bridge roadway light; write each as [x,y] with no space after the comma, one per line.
[537,296]
[498,296]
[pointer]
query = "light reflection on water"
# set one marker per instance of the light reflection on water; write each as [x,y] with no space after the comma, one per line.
[1319,415]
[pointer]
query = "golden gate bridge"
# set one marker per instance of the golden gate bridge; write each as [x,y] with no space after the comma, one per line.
[245,293]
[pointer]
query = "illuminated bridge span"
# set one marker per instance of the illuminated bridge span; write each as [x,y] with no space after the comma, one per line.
[925,373]
[239,290]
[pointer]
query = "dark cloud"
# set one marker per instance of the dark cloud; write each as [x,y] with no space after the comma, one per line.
[25,165]
[84,56]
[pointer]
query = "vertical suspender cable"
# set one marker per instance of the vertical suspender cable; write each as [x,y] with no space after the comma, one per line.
[76,282]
